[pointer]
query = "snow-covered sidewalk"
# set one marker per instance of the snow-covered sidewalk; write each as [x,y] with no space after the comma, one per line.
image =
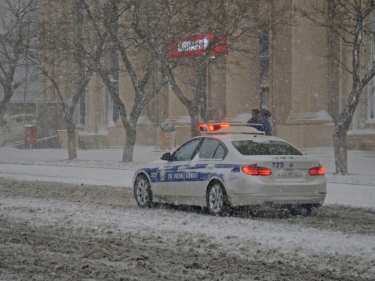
[104,167]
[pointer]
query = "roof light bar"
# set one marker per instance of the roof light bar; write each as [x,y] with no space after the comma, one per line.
[230,128]
[212,127]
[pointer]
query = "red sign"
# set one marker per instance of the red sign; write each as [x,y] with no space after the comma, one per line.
[195,46]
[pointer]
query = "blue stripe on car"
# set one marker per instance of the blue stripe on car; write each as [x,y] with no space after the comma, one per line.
[173,175]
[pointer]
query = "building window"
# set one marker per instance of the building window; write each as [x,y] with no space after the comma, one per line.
[264,66]
[371,101]
[114,77]
[263,55]
[371,89]
[82,109]
[264,94]
[113,64]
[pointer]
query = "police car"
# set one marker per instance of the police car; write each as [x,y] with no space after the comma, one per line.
[232,165]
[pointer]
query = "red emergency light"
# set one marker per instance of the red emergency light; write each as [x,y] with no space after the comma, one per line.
[212,127]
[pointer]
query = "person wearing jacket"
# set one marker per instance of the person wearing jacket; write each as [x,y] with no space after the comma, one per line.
[261,117]
[264,115]
[256,120]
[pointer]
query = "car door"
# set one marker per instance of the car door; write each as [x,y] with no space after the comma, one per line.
[171,175]
[211,152]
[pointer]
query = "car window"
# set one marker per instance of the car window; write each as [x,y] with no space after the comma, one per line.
[208,149]
[220,152]
[211,148]
[249,147]
[186,151]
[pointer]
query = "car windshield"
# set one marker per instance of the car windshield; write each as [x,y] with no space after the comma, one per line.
[249,147]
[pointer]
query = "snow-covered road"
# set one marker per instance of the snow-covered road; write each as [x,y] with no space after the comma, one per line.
[65,229]
[355,191]
[77,220]
[103,167]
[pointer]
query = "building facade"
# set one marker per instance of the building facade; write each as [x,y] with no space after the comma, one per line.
[289,70]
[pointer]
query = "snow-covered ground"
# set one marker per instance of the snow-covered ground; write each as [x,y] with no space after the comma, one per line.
[108,237]
[104,167]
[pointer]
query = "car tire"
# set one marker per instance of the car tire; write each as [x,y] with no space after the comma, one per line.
[142,191]
[305,210]
[217,200]
[310,210]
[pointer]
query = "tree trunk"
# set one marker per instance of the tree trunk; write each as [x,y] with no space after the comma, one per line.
[3,106]
[340,149]
[71,134]
[4,103]
[192,106]
[342,125]
[131,133]
[201,91]
[193,112]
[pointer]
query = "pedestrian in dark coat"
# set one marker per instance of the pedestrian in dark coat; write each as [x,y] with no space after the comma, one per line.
[256,118]
[265,114]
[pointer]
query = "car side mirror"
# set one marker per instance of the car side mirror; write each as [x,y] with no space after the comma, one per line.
[166,156]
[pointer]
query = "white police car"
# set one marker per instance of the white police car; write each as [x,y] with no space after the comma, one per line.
[230,166]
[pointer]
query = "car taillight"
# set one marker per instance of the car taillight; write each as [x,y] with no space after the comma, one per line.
[254,170]
[317,171]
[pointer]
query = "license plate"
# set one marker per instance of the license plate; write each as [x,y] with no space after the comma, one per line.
[289,174]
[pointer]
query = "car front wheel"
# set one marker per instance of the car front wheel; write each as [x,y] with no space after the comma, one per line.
[142,191]
[217,200]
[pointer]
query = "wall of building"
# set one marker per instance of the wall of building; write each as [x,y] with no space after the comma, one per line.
[242,82]
[306,90]
[308,122]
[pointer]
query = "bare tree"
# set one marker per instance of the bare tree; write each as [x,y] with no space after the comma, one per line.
[170,21]
[16,18]
[114,21]
[66,54]
[352,22]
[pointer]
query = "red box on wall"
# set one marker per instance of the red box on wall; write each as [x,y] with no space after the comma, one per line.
[30,135]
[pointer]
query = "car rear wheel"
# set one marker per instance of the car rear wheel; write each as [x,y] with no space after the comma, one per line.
[142,191]
[217,200]
[304,210]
